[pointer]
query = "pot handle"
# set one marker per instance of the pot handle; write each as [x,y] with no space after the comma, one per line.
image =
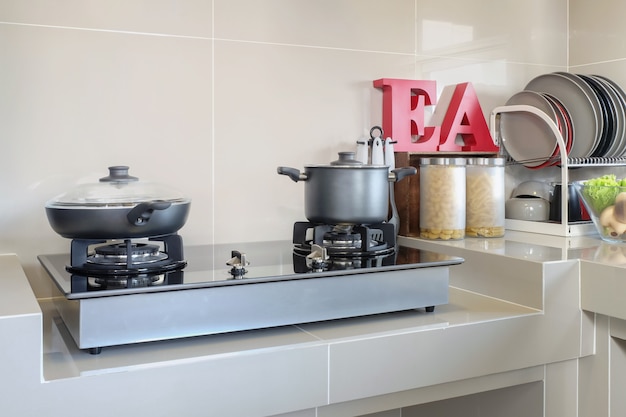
[141,213]
[292,173]
[400,173]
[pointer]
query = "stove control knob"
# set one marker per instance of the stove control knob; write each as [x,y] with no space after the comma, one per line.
[317,258]
[238,262]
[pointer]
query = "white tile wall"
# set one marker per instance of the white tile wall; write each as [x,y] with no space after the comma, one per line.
[597,31]
[212,96]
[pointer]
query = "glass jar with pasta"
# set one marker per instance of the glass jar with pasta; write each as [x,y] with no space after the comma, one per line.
[442,198]
[484,209]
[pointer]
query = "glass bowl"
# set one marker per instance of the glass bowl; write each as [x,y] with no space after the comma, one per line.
[607,208]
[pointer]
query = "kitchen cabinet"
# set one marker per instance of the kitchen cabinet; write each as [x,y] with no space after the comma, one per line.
[602,276]
[602,292]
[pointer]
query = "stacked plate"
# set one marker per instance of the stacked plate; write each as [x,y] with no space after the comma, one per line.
[589,111]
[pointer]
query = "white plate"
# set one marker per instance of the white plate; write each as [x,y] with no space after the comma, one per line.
[526,137]
[582,105]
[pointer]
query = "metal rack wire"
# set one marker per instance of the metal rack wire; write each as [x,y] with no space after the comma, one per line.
[565,228]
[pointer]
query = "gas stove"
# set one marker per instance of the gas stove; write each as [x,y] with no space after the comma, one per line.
[242,286]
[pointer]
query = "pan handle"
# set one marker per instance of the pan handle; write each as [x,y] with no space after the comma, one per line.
[292,173]
[141,213]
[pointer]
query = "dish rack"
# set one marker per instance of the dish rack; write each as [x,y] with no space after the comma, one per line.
[565,228]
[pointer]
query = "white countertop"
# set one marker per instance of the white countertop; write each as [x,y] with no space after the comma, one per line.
[603,279]
[531,246]
[504,314]
[62,359]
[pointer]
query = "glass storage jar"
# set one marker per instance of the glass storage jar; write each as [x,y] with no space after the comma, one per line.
[442,198]
[484,209]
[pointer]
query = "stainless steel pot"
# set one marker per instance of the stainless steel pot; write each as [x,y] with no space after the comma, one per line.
[118,207]
[346,191]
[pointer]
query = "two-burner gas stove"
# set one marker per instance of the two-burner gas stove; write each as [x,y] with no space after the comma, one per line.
[125,292]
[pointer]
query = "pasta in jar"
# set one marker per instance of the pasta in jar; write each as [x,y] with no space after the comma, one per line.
[485,197]
[442,198]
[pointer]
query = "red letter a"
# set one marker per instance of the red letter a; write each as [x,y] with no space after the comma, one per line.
[464,117]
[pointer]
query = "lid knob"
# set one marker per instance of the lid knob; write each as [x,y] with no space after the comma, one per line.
[347,158]
[118,173]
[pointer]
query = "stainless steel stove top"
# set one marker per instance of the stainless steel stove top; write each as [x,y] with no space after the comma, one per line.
[276,289]
[268,261]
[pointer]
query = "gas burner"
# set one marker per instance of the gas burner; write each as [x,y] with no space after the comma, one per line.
[345,240]
[319,259]
[335,252]
[342,237]
[111,283]
[102,282]
[126,258]
[117,254]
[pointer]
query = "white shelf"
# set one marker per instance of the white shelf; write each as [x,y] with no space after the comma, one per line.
[551,228]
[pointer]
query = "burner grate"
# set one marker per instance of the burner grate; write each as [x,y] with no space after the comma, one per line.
[345,240]
[127,258]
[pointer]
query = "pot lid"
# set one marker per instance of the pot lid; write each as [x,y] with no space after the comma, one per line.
[117,189]
[348,159]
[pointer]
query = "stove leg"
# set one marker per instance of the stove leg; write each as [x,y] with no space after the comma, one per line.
[429,309]
[95,350]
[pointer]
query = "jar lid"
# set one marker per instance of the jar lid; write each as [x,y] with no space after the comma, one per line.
[443,161]
[492,162]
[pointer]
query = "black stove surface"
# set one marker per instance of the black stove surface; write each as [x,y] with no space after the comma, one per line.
[207,266]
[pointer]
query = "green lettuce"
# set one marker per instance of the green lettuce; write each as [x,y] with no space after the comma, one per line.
[600,192]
